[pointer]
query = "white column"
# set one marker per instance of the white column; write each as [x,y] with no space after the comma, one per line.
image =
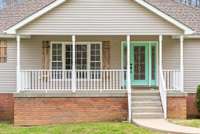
[74,63]
[128,77]
[181,64]
[160,53]
[18,77]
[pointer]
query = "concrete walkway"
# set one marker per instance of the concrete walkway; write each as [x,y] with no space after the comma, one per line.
[164,126]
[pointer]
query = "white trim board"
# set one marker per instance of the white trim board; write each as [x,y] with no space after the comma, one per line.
[13,29]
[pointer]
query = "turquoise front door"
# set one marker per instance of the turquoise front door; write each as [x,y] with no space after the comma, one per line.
[143,62]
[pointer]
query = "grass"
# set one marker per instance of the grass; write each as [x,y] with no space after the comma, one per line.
[190,123]
[78,128]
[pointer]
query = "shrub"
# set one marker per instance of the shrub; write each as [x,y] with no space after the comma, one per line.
[198,98]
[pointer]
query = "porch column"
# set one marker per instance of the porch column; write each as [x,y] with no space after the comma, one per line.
[18,77]
[128,77]
[160,53]
[181,64]
[73,63]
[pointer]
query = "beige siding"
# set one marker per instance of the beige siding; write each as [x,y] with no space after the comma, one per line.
[99,17]
[8,70]
[191,64]
[171,60]
[171,53]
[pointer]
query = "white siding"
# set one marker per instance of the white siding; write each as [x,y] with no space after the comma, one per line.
[99,17]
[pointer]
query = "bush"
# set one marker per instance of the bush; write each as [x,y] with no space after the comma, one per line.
[198,98]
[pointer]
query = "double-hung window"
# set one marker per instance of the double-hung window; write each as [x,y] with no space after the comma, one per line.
[88,56]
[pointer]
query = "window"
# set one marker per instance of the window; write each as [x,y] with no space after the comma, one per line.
[95,57]
[57,56]
[57,60]
[3,51]
[88,56]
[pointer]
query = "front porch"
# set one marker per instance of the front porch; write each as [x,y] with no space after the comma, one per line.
[94,63]
[98,65]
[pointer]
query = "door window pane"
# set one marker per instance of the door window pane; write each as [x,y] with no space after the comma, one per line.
[153,60]
[139,63]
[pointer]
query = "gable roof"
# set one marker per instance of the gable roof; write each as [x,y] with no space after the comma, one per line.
[182,14]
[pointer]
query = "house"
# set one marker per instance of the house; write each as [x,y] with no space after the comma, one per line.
[98,60]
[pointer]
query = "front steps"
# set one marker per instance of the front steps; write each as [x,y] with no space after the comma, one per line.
[146,104]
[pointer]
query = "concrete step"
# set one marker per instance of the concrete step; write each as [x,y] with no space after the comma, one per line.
[140,93]
[146,104]
[147,110]
[146,98]
[147,115]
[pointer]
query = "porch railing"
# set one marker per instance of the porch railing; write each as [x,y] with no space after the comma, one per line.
[61,80]
[172,79]
[163,93]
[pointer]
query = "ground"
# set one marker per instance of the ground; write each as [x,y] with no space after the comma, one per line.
[78,128]
[191,123]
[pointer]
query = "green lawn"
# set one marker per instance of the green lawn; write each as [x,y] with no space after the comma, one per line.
[79,128]
[191,123]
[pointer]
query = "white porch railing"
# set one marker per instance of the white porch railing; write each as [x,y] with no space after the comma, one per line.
[172,79]
[163,93]
[61,80]
[169,80]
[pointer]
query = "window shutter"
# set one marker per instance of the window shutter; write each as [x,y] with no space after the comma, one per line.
[106,54]
[45,54]
[3,51]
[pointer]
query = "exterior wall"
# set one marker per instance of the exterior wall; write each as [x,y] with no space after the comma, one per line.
[191,64]
[99,17]
[8,70]
[171,60]
[176,107]
[6,107]
[171,53]
[40,111]
[191,106]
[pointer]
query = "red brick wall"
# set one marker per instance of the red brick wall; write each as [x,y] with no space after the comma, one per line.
[39,111]
[191,106]
[176,107]
[6,107]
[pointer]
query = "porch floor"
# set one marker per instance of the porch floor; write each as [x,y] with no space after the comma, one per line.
[78,93]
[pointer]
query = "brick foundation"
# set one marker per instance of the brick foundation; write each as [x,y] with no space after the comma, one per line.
[192,111]
[6,107]
[176,107]
[40,111]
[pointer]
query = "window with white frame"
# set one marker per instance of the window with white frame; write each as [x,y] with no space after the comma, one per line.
[88,56]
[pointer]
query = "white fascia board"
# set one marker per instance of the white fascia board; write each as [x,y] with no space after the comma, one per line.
[186,29]
[12,30]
